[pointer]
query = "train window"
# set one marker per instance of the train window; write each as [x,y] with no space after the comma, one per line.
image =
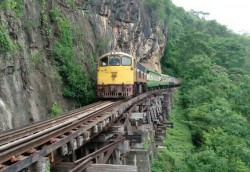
[126,61]
[104,61]
[114,61]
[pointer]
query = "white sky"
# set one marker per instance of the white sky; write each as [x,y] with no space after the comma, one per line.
[235,14]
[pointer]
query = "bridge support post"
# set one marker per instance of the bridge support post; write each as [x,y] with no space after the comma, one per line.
[167,103]
[41,165]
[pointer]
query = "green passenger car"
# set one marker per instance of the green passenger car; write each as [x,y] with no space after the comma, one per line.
[153,78]
[165,79]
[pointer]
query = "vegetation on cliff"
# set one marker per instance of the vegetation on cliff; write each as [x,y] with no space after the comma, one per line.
[211,121]
[5,42]
[64,47]
[76,82]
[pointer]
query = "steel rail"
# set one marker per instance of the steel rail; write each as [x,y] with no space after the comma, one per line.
[8,137]
[4,133]
[61,124]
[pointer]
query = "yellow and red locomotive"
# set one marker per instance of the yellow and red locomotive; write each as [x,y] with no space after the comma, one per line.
[119,75]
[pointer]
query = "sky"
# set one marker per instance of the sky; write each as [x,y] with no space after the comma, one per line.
[235,14]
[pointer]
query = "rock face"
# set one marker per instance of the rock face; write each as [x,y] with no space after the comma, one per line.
[29,83]
[131,29]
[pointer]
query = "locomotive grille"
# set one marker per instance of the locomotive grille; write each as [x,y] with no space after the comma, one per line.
[113,74]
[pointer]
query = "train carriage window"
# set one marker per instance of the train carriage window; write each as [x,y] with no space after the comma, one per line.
[126,61]
[104,61]
[114,61]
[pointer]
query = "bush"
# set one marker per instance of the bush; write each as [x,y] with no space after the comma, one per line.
[55,110]
[5,42]
[54,14]
[15,6]
[75,78]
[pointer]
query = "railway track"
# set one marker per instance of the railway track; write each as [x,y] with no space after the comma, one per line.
[7,137]
[41,133]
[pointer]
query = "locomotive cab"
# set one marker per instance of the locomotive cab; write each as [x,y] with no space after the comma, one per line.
[115,77]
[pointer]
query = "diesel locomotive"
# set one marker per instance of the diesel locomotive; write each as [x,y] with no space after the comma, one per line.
[119,75]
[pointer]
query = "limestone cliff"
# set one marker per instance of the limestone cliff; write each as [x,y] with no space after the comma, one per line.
[29,80]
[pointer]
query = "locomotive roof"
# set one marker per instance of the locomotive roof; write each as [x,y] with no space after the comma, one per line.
[117,53]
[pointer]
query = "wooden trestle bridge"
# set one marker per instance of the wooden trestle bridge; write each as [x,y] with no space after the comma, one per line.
[118,135]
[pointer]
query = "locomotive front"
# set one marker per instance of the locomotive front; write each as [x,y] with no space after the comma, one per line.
[115,75]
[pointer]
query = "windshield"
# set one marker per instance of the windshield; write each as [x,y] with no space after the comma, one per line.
[126,61]
[114,61]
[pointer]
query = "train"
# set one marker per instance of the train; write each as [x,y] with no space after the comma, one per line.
[120,75]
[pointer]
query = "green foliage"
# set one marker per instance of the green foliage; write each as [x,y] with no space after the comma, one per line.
[15,6]
[241,98]
[157,166]
[213,99]
[55,110]
[230,52]
[75,78]
[5,41]
[47,169]
[198,66]
[34,60]
[54,14]
[40,1]
[146,143]
[70,2]
[30,23]
[45,26]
